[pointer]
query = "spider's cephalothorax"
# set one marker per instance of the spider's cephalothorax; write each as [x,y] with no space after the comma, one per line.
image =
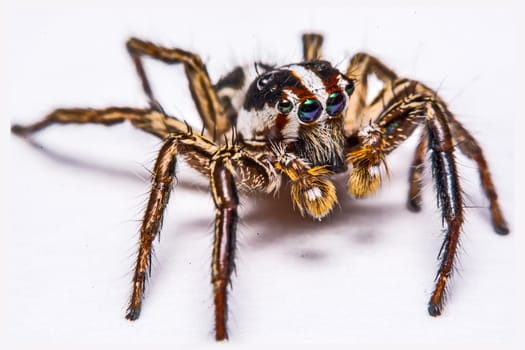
[301,106]
[298,123]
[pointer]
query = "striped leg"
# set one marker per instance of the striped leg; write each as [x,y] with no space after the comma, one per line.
[362,65]
[199,151]
[416,174]
[219,164]
[415,105]
[148,120]
[201,88]
[226,202]
[470,147]
[312,46]
[162,182]
[446,179]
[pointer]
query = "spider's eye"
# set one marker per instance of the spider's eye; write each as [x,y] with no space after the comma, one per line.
[335,103]
[264,80]
[285,106]
[350,88]
[309,110]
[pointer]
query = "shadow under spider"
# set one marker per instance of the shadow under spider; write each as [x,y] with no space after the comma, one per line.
[143,175]
[269,218]
[274,219]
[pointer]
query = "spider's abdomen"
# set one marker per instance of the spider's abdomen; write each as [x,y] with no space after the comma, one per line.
[230,90]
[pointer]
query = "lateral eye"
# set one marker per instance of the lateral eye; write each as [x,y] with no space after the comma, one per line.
[349,88]
[285,106]
[264,80]
[335,103]
[309,110]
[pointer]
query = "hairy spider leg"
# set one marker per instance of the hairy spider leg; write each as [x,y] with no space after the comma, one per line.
[230,167]
[202,91]
[445,173]
[470,147]
[360,67]
[162,183]
[413,104]
[179,139]
[312,46]
[198,152]
[217,163]
[224,191]
[415,176]
[225,166]
[151,121]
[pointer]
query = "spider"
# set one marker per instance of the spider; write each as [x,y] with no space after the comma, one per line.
[298,124]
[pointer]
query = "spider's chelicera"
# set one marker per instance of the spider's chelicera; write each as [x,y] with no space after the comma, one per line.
[298,123]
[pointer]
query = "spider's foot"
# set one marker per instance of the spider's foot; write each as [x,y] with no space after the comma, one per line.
[414,205]
[434,309]
[437,300]
[19,130]
[133,314]
[498,220]
[501,228]
[223,336]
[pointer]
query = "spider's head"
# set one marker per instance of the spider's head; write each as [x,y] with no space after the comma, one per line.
[303,106]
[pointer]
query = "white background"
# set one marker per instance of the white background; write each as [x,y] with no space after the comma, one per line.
[363,276]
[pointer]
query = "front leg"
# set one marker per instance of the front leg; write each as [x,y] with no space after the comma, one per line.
[446,179]
[198,151]
[226,201]
[415,105]
[162,181]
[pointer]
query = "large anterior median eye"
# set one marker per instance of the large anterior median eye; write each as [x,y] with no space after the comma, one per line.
[309,110]
[335,103]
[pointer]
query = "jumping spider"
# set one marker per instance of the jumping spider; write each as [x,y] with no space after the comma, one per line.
[298,123]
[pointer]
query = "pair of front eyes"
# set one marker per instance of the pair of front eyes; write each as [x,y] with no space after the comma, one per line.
[310,109]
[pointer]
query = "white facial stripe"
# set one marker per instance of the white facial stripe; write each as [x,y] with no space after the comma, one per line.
[290,129]
[254,124]
[311,81]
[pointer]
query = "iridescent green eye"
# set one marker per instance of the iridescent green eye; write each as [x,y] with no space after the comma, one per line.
[350,88]
[309,110]
[335,103]
[285,106]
